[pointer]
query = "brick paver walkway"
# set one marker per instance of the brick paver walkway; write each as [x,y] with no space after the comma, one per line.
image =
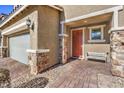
[82,74]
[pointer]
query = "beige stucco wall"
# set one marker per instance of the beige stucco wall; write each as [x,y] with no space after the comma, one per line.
[121,17]
[48,29]
[71,11]
[30,13]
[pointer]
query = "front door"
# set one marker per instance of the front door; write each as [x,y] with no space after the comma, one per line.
[77,43]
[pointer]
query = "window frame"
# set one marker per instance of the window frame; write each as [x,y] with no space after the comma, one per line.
[102,33]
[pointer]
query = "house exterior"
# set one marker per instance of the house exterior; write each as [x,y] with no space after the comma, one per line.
[42,36]
[31,37]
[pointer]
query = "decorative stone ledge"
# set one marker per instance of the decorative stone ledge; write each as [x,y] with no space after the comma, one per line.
[38,60]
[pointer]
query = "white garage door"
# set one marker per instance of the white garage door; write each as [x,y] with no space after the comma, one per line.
[18,46]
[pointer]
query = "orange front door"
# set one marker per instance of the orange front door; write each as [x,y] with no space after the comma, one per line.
[77,43]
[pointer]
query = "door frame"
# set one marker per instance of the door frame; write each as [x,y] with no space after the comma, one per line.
[83,37]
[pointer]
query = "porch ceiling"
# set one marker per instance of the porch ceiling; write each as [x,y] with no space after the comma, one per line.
[92,20]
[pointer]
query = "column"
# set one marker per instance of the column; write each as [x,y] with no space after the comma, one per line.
[117,53]
[38,60]
[3,48]
[63,45]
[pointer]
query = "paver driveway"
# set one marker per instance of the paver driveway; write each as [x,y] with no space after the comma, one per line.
[17,70]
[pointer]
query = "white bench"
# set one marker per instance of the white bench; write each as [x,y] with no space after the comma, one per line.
[97,56]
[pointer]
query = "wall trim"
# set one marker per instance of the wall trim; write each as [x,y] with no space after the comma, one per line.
[94,41]
[55,7]
[15,29]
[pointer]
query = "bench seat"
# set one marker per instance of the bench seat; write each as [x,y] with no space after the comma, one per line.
[97,56]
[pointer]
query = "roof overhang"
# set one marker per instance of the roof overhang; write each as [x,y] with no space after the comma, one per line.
[13,15]
[97,13]
[21,9]
[101,19]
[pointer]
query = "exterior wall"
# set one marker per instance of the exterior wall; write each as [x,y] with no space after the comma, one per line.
[71,11]
[32,14]
[48,31]
[92,47]
[44,36]
[121,17]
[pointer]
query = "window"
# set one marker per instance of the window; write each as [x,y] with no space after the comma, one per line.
[96,33]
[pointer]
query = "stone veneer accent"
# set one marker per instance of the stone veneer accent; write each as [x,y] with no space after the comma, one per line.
[117,53]
[63,49]
[38,60]
[3,52]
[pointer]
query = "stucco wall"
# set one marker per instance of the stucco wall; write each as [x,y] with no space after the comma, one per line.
[71,11]
[121,17]
[48,19]
[30,13]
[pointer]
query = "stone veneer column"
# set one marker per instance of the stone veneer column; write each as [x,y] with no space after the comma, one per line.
[3,51]
[63,48]
[38,60]
[117,53]
[3,48]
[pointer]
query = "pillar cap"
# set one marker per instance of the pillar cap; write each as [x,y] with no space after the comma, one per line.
[3,47]
[116,29]
[37,50]
[63,35]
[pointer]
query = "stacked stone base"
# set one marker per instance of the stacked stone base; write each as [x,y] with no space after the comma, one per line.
[63,51]
[3,52]
[38,61]
[118,70]
[117,53]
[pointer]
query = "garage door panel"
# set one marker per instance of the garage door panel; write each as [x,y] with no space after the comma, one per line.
[18,46]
